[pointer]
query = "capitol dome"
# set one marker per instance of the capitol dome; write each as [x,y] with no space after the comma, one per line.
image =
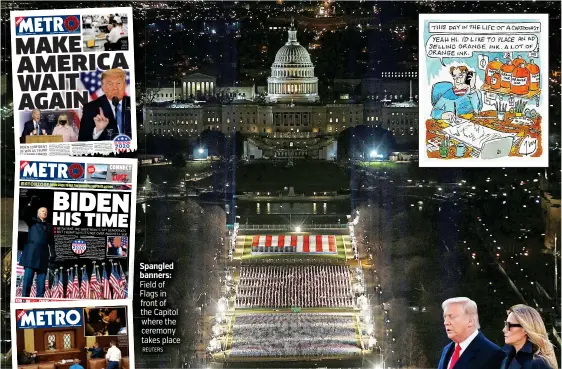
[292,74]
[292,53]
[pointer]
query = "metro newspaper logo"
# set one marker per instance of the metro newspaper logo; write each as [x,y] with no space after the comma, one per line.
[47,25]
[51,171]
[57,318]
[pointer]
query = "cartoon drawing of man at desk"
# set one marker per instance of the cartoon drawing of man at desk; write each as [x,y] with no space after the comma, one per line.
[461,97]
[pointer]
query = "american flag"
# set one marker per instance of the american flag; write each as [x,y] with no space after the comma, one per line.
[105,285]
[47,291]
[124,282]
[92,82]
[75,285]
[85,287]
[54,288]
[19,269]
[19,283]
[60,287]
[69,285]
[34,287]
[95,284]
[114,281]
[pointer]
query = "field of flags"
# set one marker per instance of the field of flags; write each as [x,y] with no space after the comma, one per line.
[282,286]
[289,335]
[77,283]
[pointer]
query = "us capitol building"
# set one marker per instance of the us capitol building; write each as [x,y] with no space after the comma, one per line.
[289,123]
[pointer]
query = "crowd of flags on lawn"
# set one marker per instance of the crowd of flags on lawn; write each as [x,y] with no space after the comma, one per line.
[79,284]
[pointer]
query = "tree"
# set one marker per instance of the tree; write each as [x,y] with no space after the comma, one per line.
[412,354]
[260,98]
[148,96]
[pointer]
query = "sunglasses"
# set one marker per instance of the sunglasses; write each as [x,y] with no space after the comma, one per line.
[509,325]
[62,121]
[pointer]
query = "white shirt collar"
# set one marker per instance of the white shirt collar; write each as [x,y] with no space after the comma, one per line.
[464,344]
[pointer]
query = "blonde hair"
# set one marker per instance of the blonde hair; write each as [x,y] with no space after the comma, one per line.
[115,72]
[63,115]
[470,308]
[534,327]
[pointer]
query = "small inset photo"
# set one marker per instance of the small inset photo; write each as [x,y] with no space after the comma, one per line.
[97,171]
[48,126]
[106,321]
[107,32]
[117,246]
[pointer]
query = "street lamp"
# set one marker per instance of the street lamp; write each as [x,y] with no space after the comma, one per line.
[222,304]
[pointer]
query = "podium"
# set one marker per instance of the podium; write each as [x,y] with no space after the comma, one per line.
[42,139]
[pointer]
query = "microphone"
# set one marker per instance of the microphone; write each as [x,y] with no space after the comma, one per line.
[115,102]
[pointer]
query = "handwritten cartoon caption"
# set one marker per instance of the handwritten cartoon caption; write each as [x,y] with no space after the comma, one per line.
[484,27]
[463,46]
[528,146]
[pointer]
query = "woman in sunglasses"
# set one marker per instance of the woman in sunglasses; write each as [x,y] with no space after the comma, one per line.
[527,343]
[65,129]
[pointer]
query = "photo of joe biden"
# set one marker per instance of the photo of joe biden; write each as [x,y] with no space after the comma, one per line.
[110,114]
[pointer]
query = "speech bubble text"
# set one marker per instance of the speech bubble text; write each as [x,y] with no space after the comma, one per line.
[463,46]
[484,28]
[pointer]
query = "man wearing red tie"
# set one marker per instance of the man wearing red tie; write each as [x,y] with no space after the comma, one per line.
[469,349]
[110,114]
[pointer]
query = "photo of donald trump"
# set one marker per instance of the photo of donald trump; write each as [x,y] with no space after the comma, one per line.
[110,114]
[117,246]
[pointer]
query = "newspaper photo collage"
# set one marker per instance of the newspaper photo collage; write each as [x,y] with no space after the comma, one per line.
[74,214]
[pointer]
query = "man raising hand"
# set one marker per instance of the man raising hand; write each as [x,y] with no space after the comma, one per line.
[101,121]
[109,115]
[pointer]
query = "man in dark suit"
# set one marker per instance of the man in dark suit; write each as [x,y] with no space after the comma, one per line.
[109,115]
[469,349]
[97,351]
[37,253]
[35,126]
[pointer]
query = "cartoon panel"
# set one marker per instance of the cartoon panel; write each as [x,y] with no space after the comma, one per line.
[486,91]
